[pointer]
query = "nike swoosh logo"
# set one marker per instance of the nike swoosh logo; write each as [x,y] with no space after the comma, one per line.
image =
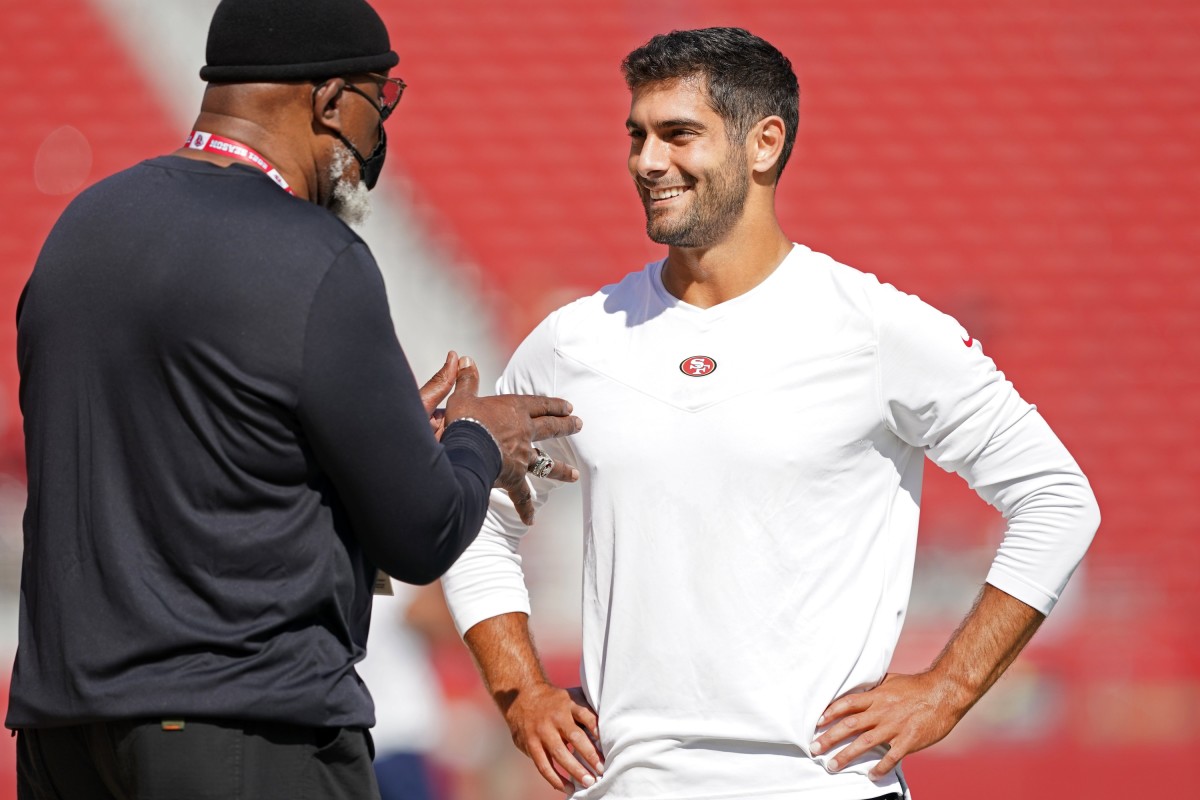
[968,341]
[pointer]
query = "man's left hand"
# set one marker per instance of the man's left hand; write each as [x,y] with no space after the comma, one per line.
[436,390]
[904,713]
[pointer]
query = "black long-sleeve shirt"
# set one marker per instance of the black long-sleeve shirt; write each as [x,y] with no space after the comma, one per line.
[224,440]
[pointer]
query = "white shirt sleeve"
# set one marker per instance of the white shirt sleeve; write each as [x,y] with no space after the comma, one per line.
[941,393]
[487,580]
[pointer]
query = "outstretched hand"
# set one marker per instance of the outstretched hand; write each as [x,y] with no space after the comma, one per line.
[904,714]
[515,422]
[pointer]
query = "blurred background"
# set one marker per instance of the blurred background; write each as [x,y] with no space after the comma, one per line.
[1029,166]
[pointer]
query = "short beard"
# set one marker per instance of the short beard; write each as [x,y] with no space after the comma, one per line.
[350,199]
[709,219]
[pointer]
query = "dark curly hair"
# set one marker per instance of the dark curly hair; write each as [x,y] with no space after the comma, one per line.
[748,78]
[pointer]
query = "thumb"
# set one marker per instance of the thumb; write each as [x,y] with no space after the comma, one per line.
[437,388]
[468,378]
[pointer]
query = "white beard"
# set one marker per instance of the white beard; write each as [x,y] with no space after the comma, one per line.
[350,200]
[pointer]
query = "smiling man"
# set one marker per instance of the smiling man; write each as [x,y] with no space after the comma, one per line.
[758,419]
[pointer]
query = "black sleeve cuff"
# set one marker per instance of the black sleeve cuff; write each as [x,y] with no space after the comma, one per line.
[471,446]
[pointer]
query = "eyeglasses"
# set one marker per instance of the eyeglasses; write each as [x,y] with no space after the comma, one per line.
[390,92]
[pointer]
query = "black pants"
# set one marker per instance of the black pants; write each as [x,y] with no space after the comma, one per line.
[209,760]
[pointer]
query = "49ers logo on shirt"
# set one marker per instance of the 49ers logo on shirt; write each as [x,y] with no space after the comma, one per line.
[697,366]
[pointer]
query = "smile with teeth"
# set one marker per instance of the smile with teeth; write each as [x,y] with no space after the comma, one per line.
[667,194]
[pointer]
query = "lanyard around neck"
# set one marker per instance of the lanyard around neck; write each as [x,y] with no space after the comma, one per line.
[212,143]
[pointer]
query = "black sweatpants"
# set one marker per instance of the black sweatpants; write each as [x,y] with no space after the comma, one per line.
[205,760]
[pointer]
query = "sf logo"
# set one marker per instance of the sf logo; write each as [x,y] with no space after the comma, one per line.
[697,366]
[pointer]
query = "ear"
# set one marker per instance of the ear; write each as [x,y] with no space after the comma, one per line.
[327,103]
[766,144]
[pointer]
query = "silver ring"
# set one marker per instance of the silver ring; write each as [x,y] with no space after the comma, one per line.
[541,468]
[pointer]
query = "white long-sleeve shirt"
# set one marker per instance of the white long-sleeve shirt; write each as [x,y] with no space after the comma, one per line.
[750,529]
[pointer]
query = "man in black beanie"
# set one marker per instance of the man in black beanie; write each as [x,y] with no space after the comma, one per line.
[225,442]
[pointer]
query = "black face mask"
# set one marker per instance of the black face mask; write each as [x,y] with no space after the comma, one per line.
[371,166]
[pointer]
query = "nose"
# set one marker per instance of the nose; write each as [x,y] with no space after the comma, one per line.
[649,158]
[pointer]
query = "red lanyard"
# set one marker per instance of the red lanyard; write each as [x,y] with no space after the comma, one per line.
[199,140]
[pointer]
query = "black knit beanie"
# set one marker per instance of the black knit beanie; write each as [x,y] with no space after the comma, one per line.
[292,40]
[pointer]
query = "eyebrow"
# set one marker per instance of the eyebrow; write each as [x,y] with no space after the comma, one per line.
[681,122]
